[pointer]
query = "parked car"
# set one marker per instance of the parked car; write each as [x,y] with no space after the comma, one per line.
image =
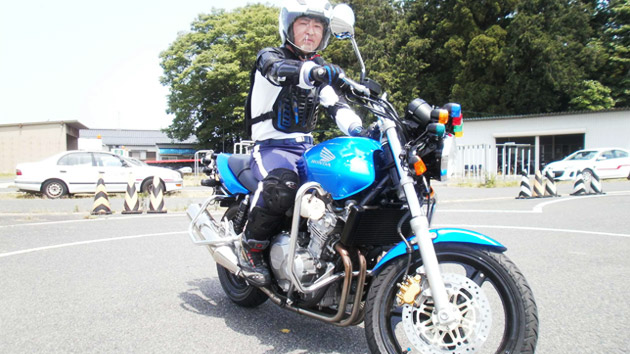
[606,162]
[73,172]
[185,170]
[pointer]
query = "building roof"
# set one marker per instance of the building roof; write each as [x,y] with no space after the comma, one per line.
[71,123]
[133,137]
[552,114]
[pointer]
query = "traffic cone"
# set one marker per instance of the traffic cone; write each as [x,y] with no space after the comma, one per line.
[101,200]
[132,202]
[550,185]
[578,185]
[156,197]
[538,185]
[526,191]
[596,185]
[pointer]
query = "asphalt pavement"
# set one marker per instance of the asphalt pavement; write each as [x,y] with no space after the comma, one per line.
[72,282]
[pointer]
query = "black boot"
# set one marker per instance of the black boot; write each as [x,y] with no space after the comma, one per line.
[252,262]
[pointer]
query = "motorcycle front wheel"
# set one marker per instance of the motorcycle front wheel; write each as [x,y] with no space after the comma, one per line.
[496,308]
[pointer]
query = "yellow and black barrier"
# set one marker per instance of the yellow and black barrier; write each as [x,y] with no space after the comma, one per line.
[156,197]
[132,202]
[101,204]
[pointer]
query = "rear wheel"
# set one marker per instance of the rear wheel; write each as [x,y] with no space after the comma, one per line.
[236,288]
[495,307]
[54,189]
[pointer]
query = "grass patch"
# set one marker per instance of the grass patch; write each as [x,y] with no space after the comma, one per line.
[24,195]
[489,182]
[191,180]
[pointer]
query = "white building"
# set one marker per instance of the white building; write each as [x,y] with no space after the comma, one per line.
[505,145]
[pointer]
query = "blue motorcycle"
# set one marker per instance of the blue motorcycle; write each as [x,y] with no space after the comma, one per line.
[358,246]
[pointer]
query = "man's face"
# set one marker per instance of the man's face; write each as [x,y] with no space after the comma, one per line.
[307,33]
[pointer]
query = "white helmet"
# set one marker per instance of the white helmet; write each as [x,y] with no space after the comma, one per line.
[292,9]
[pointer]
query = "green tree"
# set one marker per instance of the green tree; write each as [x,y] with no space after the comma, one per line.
[549,55]
[592,96]
[208,73]
[615,40]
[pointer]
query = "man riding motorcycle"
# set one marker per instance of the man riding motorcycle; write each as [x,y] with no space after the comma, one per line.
[289,84]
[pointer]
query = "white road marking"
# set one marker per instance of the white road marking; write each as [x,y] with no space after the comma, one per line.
[537,209]
[96,218]
[71,244]
[533,229]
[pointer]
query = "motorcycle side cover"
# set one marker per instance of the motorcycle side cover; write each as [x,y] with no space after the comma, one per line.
[441,236]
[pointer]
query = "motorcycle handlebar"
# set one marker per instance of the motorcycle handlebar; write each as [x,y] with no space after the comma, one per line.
[355,86]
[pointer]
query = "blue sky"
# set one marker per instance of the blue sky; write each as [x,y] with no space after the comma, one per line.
[95,62]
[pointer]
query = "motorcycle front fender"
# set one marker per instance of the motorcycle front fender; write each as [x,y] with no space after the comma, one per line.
[452,235]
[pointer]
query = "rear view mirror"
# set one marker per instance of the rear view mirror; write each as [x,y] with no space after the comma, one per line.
[342,24]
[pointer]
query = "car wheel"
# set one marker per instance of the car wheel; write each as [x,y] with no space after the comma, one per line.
[54,189]
[587,175]
[147,185]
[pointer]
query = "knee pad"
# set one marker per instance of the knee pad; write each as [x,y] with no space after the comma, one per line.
[261,224]
[279,189]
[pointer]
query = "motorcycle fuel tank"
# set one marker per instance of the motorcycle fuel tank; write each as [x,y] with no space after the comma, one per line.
[343,166]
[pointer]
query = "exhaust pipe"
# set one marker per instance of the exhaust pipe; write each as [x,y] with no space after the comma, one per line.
[226,257]
[204,230]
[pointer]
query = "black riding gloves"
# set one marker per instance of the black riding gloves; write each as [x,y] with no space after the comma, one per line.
[328,74]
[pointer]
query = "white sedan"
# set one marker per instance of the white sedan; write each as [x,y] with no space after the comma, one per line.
[606,162]
[72,172]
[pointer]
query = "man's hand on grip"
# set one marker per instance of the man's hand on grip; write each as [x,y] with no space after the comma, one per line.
[328,74]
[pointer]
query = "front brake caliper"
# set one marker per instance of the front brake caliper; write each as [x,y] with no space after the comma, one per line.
[409,290]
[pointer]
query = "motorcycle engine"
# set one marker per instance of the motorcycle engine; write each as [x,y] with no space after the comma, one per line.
[311,255]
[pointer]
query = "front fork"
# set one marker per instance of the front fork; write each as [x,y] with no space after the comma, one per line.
[420,226]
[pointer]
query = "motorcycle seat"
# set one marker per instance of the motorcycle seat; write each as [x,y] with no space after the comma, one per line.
[239,164]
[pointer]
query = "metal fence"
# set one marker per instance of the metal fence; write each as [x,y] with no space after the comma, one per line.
[482,161]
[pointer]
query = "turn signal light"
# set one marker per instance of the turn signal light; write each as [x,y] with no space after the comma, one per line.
[420,167]
[443,117]
[440,115]
[18,172]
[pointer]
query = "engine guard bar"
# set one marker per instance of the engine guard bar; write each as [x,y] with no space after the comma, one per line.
[213,228]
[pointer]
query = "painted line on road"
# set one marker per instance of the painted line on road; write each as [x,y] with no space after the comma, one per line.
[534,229]
[2,255]
[537,209]
[72,244]
[97,218]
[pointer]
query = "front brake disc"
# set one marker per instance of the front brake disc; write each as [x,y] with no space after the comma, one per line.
[465,335]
